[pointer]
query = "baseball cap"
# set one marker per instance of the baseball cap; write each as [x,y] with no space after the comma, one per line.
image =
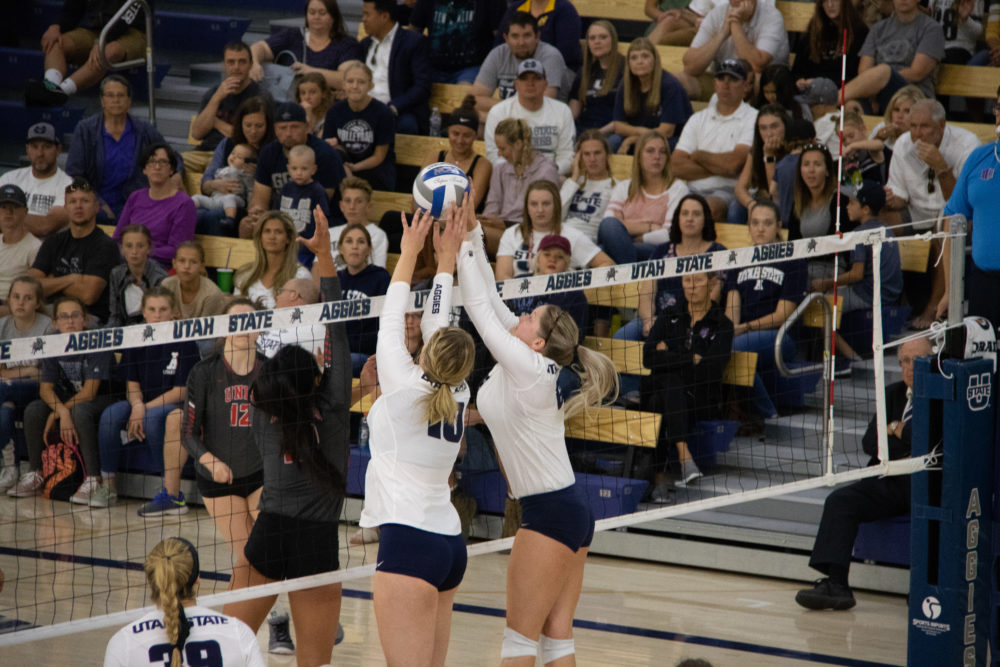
[555,241]
[290,112]
[531,65]
[732,67]
[43,131]
[13,194]
[868,193]
[821,91]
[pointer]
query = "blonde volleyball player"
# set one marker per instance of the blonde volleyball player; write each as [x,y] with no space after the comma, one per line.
[416,428]
[179,631]
[541,377]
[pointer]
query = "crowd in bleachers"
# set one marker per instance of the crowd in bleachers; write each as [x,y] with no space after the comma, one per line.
[745,132]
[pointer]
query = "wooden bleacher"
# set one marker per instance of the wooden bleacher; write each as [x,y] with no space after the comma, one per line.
[218,249]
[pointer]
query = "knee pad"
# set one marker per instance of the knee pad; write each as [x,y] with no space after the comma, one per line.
[516,645]
[553,649]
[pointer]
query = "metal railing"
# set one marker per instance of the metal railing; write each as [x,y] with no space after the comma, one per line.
[128,12]
[824,366]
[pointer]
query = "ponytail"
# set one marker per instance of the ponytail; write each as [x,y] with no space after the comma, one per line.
[598,375]
[171,572]
[447,360]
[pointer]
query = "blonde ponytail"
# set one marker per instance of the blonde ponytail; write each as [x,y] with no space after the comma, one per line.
[598,376]
[447,360]
[171,571]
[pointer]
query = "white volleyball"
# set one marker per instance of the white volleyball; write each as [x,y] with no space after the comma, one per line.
[438,186]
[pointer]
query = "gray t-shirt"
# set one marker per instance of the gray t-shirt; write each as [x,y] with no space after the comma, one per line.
[814,221]
[765,30]
[500,69]
[894,43]
[8,331]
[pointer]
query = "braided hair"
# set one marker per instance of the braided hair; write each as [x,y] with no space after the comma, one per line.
[172,574]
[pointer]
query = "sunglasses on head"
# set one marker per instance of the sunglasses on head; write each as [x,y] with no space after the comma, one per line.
[79,185]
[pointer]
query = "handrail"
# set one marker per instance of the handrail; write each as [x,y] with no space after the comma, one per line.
[128,12]
[827,343]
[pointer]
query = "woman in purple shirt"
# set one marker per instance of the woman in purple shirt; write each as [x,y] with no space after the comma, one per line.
[162,208]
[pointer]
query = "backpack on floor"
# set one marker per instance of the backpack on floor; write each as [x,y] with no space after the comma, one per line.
[62,471]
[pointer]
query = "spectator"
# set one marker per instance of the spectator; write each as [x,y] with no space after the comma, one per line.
[742,29]
[760,299]
[821,96]
[904,48]
[800,133]
[400,70]
[674,24]
[73,41]
[360,279]
[716,141]
[274,263]
[778,87]
[328,45]
[19,380]
[554,256]
[156,384]
[820,50]
[363,129]
[592,97]
[816,199]
[558,24]
[648,99]
[551,121]
[585,195]
[542,216]
[864,158]
[925,167]
[301,195]
[870,499]
[163,208]
[77,261]
[521,165]
[757,177]
[459,35]
[196,295]
[131,280]
[272,165]
[463,128]
[18,248]
[962,23]
[215,119]
[72,394]
[242,162]
[253,126]
[43,182]
[316,97]
[687,350]
[502,65]
[896,120]
[355,206]
[107,149]
[641,208]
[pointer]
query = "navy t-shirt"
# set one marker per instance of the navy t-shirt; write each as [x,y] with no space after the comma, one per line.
[272,167]
[288,46]
[891,273]
[670,291]
[68,374]
[599,109]
[761,287]
[675,107]
[299,202]
[359,132]
[370,281]
[160,368]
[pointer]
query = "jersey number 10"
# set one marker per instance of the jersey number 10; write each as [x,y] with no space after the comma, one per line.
[452,433]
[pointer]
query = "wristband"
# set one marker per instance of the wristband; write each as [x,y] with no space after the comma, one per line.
[770,159]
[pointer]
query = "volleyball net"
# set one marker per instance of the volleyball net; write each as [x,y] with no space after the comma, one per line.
[71,568]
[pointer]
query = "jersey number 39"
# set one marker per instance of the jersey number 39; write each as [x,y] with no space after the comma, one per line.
[451,433]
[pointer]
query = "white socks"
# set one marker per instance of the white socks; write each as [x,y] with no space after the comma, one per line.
[54,75]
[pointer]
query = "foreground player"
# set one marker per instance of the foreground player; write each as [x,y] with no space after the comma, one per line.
[525,401]
[179,631]
[416,430]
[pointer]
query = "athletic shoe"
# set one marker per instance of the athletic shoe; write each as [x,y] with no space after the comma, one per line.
[280,641]
[103,496]
[8,476]
[82,495]
[364,536]
[29,485]
[164,504]
[340,634]
[661,494]
[689,479]
[44,94]
[826,595]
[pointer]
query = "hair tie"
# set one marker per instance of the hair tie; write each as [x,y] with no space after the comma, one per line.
[183,627]
[433,383]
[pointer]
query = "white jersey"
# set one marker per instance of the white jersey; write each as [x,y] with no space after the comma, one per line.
[518,400]
[215,639]
[407,478]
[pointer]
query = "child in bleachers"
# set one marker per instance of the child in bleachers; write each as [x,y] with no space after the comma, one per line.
[315,96]
[360,279]
[156,378]
[553,256]
[355,205]
[133,277]
[196,295]
[301,195]
[242,162]
[865,159]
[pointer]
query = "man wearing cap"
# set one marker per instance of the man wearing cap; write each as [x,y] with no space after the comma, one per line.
[43,182]
[18,247]
[522,40]
[821,96]
[290,129]
[743,29]
[552,126]
[715,141]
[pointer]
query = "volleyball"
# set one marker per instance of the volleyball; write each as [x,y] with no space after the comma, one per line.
[438,186]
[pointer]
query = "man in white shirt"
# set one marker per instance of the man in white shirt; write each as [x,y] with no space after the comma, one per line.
[18,248]
[552,127]
[743,29]
[43,182]
[715,141]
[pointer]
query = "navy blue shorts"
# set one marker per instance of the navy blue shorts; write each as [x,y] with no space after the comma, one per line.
[437,559]
[563,515]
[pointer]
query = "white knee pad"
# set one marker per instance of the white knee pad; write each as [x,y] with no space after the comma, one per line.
[553,649]
[516,645]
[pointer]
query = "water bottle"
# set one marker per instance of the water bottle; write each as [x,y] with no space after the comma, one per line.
[435,122]
[363,433]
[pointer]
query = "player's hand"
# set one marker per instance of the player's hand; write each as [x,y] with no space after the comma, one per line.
[447,241]
[369,375]
[320,241]
[221,473]
[415,233]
